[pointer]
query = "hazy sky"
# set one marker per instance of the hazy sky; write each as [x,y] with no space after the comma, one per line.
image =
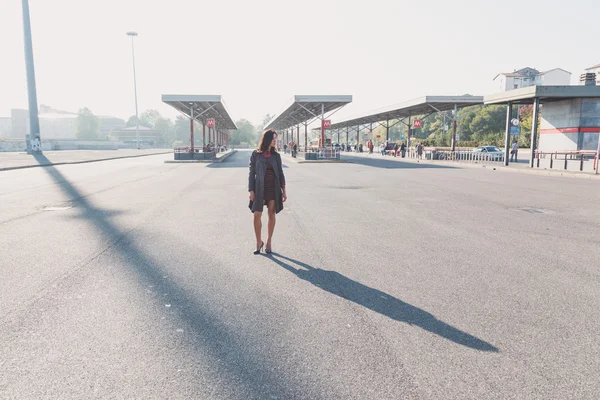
[258,54]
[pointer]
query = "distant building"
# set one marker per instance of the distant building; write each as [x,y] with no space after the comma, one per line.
[595,70]
[5,127]
[148,136]
[526,77]
[109,124]
[57,124]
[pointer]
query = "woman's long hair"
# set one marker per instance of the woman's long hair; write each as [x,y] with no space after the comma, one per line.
[265,141]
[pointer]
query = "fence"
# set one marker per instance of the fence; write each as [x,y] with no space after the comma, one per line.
[582,161]
[460,155]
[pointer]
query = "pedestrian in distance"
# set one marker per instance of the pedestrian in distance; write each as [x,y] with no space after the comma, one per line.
[266,185]
[514,153]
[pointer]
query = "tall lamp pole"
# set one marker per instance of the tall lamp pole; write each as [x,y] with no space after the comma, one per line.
[34,145]
[137,120]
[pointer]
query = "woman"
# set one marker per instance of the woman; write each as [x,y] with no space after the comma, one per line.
[266,184]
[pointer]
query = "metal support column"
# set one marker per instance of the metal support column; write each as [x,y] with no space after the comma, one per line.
[408,133]
[507,133]
[357,136]
[322,126]
[454,128]
[387,130]
[34,144]
[191,130]
[298,135]
[347,131]
[305,137]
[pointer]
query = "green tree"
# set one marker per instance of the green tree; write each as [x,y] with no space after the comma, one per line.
[86,125]
[181,130]
[245,133]
[130,122]
[164,127]
[149,118]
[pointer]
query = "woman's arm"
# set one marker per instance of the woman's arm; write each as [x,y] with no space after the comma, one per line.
[252,172]
[281,175]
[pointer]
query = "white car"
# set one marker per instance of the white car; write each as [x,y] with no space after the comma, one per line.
[489,153]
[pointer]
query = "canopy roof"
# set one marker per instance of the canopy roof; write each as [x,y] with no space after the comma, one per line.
[204,106]
[423,105]
[303,109]
[545,93]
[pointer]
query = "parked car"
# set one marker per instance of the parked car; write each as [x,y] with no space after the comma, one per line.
[489,153]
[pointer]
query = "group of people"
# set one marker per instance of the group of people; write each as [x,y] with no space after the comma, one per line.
[292,146]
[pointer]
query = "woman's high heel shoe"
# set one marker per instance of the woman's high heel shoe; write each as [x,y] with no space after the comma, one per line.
[268,251]
[258,251]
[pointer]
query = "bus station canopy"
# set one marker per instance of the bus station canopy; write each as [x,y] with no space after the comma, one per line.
[305,109]
[203,106]
[544,93]
[420,106]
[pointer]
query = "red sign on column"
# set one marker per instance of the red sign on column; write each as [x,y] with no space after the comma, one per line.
[210,122]
[417,123]
[326,123]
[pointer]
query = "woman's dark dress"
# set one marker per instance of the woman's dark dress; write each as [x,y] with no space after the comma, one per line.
[269,183]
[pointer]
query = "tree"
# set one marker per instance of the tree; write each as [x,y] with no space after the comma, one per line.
[164,127]
[86,125]
[130,122]
[245,133]
[149,118]
[181,130]
[526,117]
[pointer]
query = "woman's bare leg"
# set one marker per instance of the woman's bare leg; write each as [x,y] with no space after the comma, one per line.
[258,228]
[271,228]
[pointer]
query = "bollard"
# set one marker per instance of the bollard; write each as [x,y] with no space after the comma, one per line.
[565,161]
[581,164]
[551,160]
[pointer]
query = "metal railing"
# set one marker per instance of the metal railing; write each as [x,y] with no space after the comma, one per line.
[328,153]
[584,161]
[457,155]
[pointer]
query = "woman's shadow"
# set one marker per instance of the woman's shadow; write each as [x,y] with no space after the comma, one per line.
[373,299]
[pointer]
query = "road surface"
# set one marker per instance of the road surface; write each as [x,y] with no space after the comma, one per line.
[135,279]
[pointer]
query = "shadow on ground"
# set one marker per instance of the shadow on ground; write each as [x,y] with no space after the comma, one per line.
[380,302]
[228,348]
[378,161]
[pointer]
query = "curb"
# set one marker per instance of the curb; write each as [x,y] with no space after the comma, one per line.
[80,162]
[218,160]
[501,167]
[300,161]
[225,156]
[188,161]
[547,172]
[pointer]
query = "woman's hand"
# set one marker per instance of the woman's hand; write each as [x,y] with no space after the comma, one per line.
[252,195]
[284,196]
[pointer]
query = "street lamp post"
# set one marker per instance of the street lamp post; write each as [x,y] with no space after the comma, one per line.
[137,120]
[34,145]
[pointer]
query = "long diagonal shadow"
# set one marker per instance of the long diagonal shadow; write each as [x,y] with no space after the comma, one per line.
[380,302]
[227,347]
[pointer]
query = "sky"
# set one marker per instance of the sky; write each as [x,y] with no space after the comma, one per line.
[258,54]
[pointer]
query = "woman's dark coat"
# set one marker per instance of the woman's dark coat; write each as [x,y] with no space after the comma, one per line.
[256,179]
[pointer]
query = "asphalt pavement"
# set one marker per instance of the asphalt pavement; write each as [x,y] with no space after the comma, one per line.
[134,278]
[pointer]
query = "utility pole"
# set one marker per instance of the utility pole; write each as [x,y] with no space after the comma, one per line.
[34,144]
